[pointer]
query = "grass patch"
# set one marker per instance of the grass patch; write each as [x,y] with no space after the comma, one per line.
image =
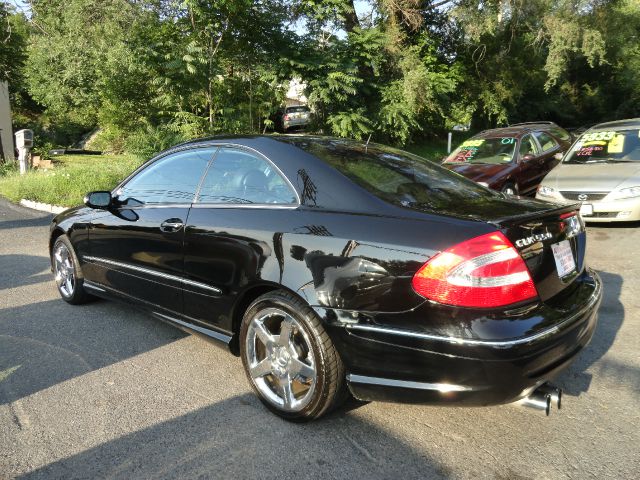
[71,178]
[433,151]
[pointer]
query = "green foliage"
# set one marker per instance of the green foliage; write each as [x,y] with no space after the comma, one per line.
[69,181]
[153,73]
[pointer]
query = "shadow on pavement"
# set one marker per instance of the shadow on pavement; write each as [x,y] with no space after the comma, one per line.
[576,380]
[21,270]
[238,438]
[26,222]
[43,344]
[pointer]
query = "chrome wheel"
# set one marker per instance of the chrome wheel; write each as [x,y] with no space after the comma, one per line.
[280,359]
[64,270]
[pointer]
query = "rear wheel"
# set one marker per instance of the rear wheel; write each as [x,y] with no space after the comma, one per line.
[67,271]
[289,359]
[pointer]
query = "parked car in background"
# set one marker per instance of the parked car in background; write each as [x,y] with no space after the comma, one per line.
[602,171]
[295,117]
[333,266]
[512,160]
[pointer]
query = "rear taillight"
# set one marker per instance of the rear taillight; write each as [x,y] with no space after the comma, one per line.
[483,272]
[286,117]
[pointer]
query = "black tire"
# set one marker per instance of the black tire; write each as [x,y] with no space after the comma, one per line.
[76,294]
[329,389]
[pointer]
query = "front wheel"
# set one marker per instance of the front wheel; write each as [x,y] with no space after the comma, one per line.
[67,271]
[289,359]
[509,189]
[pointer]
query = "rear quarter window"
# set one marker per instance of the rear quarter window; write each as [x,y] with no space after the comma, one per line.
[396,176]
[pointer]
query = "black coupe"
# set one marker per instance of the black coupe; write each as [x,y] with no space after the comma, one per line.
[334,267]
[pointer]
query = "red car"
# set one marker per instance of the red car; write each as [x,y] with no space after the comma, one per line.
[514,159]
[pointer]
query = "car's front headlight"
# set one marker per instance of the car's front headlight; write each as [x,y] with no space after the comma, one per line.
[629,192]
[547,191]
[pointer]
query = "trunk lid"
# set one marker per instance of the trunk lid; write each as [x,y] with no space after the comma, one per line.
[552,244]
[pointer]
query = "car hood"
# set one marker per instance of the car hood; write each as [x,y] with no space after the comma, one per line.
[479,172]
[593,177]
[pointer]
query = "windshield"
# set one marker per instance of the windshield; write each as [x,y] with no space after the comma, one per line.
[484,150]
[610,146]
[398,176]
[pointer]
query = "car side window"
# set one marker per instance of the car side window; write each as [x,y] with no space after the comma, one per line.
[546,141]
[561,133]
[172,179]
[237,176]
[527,146]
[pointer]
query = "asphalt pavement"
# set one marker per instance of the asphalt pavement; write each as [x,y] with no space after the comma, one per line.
[105,391]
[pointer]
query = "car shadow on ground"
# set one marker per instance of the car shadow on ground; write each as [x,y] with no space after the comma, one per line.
[46,343]
[26,222]
[239,438]
[576,379]
[32,270]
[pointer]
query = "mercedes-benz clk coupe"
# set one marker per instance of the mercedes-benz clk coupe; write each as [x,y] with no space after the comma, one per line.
[334,267]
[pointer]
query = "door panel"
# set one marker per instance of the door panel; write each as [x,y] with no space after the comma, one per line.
[132,254]
[137,246]
[229,239]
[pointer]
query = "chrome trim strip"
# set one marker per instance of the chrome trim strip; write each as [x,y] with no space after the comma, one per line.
[190,326]
[289,206]
[91,285]
[148,271]
[153,205]
[390,382]
[595,297]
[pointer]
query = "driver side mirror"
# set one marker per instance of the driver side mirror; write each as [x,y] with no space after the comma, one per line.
[558,156]
[99,200]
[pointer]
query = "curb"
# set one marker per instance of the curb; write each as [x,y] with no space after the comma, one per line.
[42,207]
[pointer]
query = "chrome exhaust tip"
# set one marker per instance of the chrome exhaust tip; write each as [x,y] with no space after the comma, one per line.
[554,392]
[538,401]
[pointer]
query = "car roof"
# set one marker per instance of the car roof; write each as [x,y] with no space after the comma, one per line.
[629,123]
[517,129]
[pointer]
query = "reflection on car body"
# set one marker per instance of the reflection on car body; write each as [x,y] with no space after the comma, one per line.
[513,159]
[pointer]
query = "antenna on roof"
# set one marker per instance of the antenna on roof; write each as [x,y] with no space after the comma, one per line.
[366,145]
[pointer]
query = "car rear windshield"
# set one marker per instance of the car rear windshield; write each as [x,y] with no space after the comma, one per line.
[297,109]
[484,150]
[606,146]
[396,176]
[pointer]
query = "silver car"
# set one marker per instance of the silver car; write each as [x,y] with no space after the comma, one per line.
[601,170]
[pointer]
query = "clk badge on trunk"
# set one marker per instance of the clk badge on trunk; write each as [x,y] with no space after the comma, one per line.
[537,237]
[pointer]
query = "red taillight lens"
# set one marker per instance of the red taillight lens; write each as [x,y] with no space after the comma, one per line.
[286,117]
[483,272]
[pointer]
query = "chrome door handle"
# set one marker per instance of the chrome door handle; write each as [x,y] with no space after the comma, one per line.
[171,225]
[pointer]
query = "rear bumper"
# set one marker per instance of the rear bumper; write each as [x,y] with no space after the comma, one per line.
[400,365]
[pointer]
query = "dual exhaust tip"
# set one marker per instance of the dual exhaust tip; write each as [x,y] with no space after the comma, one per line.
[543,398]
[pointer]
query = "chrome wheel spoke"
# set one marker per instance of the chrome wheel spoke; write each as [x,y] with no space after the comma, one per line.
[261,369]
[286,329]
[263,335]
[299,368]
[288,396]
